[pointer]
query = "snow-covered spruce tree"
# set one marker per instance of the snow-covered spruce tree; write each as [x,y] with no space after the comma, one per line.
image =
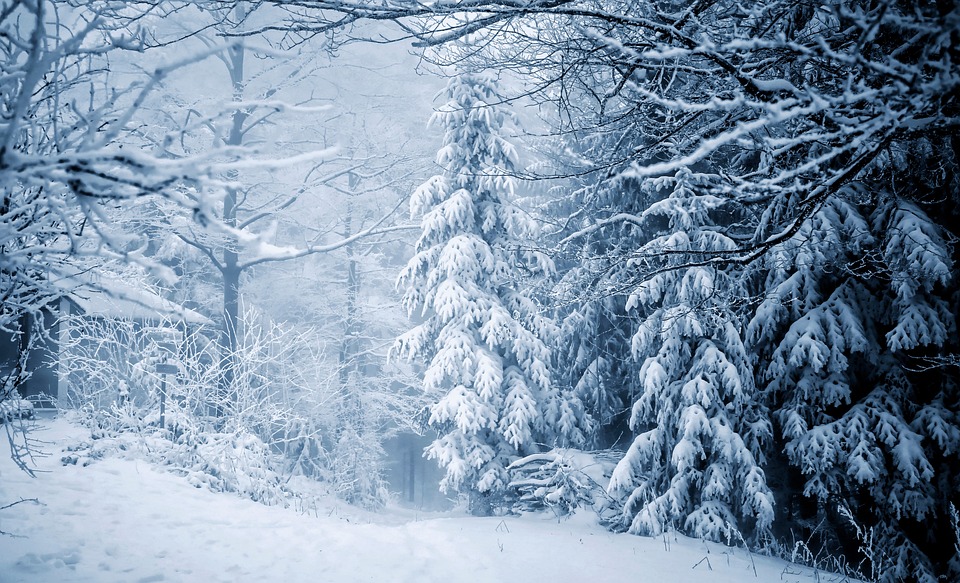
[802,334]
[595,340]
[487,344]
[595,326]
[696,462]
[850,302]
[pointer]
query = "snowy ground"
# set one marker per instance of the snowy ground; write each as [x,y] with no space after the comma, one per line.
[122,520]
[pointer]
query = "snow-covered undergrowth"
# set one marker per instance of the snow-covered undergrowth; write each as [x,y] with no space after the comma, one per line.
[237,461]
[251,439]
[564,480]
[99,512]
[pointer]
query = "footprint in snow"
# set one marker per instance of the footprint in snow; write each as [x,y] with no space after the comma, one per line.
[41,563]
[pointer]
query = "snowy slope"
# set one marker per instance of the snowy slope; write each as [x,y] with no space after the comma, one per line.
[122,520]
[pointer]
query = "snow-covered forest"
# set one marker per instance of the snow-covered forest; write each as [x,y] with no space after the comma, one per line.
[687,267]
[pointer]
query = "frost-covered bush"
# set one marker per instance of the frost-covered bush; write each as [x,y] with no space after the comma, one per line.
[246,439]
[108,361]
[238,461]
[283,416]
[15,408]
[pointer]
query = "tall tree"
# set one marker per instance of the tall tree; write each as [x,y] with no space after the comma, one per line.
[852,304]
[487,343]
[589,243]
[696,463]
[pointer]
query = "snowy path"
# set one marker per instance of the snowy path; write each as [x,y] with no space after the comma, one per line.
[121,520]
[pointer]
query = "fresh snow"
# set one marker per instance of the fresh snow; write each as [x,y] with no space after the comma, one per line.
[121,519]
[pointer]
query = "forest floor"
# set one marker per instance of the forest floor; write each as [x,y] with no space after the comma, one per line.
[122,519]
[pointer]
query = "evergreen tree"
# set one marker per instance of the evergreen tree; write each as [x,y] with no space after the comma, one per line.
[696,463]
[595,327]
[848,301]
[487,344]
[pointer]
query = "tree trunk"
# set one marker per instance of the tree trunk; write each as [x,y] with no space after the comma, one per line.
[352,413]
[231,270]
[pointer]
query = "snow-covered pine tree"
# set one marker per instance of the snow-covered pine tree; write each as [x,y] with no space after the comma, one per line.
[598,231]
[696,462]
[487,343]
[802,335]
[909,416]
[847,302]
[595,337]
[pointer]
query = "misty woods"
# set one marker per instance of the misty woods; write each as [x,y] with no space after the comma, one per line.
[706,247]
